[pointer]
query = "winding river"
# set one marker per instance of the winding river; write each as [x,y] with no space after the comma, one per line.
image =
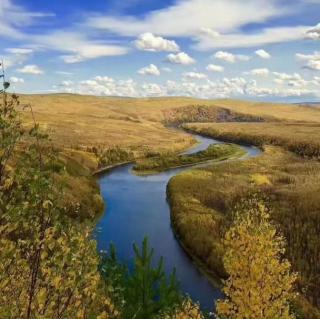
[136,206]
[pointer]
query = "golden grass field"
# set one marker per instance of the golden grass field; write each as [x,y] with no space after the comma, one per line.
[300,138]
[80,121]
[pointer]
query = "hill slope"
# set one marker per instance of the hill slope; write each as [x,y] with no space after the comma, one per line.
[76,120]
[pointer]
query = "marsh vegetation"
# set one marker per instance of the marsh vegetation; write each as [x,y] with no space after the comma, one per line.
[217,152]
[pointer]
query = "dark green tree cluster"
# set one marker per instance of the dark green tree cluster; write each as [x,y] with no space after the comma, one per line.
[144,292]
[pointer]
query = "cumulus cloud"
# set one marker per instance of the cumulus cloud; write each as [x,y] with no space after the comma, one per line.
[194,75]
[152,89]
[149,70]
[293,80]
[104,85]
[314,33]
[258,72]
[263,54]
[225,88]
[193,18]
[215,68]
[229,57]
[180,58]
[225,56]
[312,61]
[314,65]
[286,76]
[149,42]
[31,69]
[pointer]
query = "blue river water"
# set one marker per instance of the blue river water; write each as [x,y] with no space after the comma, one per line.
[136,206]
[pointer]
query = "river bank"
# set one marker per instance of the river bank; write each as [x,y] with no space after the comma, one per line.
[214,153]
[138,206]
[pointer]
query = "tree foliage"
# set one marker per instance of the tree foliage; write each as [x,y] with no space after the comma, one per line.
[48,264]
[260,283]
[144,292]
[292,186]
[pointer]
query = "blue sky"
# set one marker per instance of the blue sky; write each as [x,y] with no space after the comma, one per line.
[252,49]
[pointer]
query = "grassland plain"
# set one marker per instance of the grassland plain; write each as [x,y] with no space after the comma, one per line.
[81,121]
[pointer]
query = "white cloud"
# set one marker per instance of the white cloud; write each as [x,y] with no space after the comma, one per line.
[152,89]
[293,80]
[286,76]
[209,32]
[246,40]
[16,80]
[16,56]
[194,75]
[312,60]
[63,73]
[104,85]
[258,72]
[31,69]
[314,33]
[88,51]
[187,17]
[180,58]
[13,17]
[77,46]
[149,70]
[19,51]
[225,56]
[225,88]
[263,54]
[149,42]
[215,68]
[314,65]
[229,57]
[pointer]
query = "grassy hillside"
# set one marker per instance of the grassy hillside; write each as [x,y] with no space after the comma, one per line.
[81,121]
[300,138]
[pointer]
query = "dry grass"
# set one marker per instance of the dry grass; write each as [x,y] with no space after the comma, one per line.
[75,120]
[202,202]
[81,121]
[300,138]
